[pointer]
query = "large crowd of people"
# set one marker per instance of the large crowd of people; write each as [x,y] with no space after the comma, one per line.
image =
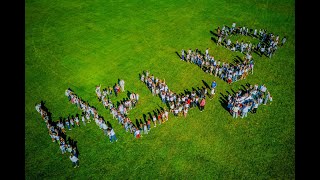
[248,100]
[120,110]
[225,71]
[267,45]
[88,113]
[57,133]
[178,104]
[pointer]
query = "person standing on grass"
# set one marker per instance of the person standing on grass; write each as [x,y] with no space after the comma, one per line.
[72,121]
[76,119]
[145,128]
[74,160]
[185,111]
[202,104]
[219,31]
[160,118]
[212,93]
[137,133]
[266,98]
[154,119]
[262,50]
[255,107]
[270,99]
[137,98]
[235,110]
[213,84]
[166,114]
[284,39]
[207,53]
[83,119]
[233,27]
[116,89]
[148,124]
[68,124]
[219,40]
[245,111]
[182,54]
[121,83]
[112,135]
[105,128]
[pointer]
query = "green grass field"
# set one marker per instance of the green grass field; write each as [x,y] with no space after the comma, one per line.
[80,44]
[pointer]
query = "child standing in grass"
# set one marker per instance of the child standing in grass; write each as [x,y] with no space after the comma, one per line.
[154,119]
[166,114]
[76,119]
[185,112]
[145,129]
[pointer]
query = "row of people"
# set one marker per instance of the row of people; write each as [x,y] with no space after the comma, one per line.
[226,71]
[249,100]
[108,91]
[119,110]
[58,134]
[267,45]
[178,103]
[90,112]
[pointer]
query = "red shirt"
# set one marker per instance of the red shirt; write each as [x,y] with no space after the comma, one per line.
[203,102]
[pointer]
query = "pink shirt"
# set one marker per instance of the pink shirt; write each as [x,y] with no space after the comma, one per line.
[203,102]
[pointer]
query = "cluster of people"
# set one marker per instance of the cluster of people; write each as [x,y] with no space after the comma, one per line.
[88,113]
[57,133]
[179,104]
[119,111]
[248,100]
[107,92]
[267,45]
[226,71]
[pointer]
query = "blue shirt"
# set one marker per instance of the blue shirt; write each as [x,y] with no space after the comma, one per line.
[213,85]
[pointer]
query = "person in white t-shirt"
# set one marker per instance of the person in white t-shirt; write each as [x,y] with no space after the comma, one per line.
[74,160]
[121,83]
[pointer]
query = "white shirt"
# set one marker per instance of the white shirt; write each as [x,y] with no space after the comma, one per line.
[38,107]
[112,133]
[74,159]
[104,126]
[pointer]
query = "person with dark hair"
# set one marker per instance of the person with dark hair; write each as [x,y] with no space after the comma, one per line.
[255,106]
[182,54]
[76,119]
[72,121]
[68,123]
[112,135]
[148,124]
[202,104]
